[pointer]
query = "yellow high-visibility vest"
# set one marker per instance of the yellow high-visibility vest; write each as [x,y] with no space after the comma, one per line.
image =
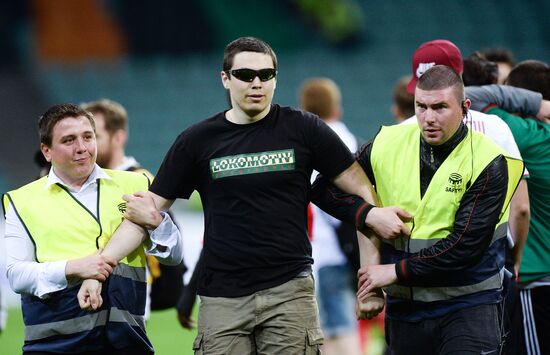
[61,228]
[395,160]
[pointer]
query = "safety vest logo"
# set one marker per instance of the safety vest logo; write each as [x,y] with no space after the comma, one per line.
[252,163]
[454,183]
[122,207]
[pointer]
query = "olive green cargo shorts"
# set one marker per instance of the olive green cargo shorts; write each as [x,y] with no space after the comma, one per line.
[279,320]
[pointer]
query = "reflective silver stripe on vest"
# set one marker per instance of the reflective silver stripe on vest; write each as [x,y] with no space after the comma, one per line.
[135,273]
[70,326]
[119,315]
[415,245]
[500,232]
[432,294]
[81,324]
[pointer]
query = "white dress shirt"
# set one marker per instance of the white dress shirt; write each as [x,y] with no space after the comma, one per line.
[25,275]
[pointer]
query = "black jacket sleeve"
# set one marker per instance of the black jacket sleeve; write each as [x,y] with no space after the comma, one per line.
[189,295]
[345,207]
[472,233]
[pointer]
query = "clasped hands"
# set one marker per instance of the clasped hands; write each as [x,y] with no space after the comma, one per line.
[93,269]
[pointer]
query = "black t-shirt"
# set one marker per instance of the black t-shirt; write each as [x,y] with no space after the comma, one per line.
[254,182]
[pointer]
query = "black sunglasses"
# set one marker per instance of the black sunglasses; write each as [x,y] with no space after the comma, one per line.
[249,75]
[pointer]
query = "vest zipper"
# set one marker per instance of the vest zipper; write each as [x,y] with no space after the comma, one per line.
[409,252]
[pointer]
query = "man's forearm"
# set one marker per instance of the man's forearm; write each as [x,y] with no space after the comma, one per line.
[354,181]
[519,220]
[127,238]
[369,246]
[345,207]
[509,98]
[387,222]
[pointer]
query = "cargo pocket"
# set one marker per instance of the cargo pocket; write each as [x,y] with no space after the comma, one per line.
[314,341]
[197,345]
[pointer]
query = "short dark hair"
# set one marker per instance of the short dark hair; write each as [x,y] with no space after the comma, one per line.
[533,75]
[114,114]
[499,55]
[246,44]
[56,113]
[441,77]
[479,71]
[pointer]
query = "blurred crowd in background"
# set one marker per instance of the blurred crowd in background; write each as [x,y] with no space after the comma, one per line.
[161,61]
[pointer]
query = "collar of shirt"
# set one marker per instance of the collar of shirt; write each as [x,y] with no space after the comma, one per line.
[129,162]
[97,173]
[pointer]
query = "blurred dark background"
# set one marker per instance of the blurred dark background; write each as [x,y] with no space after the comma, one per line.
[161,59]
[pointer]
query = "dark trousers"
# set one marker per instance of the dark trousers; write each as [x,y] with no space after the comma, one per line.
[514,342]
[474,330]
[535,304]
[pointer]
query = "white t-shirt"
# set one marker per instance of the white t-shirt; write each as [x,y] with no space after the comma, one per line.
[325,247]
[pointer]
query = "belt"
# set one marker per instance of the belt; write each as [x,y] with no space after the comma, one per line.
[306,272]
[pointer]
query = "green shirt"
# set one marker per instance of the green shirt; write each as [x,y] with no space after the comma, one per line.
[533,140]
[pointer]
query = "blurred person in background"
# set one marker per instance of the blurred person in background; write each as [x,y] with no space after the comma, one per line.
[335,249]
[164,282]
[504,58]
[509,98]
[251,165]
[55,229]
[111,121]
[532,133]
[188,297]
[403,101]
[479,71]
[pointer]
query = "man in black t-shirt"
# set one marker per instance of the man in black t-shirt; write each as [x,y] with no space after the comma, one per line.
[251,166]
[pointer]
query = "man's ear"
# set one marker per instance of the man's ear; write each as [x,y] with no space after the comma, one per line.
[467,103]
[120,137]
[46,152]
[337,112]
[225,79]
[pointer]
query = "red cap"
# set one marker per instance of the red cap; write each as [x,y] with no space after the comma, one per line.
[438,52]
